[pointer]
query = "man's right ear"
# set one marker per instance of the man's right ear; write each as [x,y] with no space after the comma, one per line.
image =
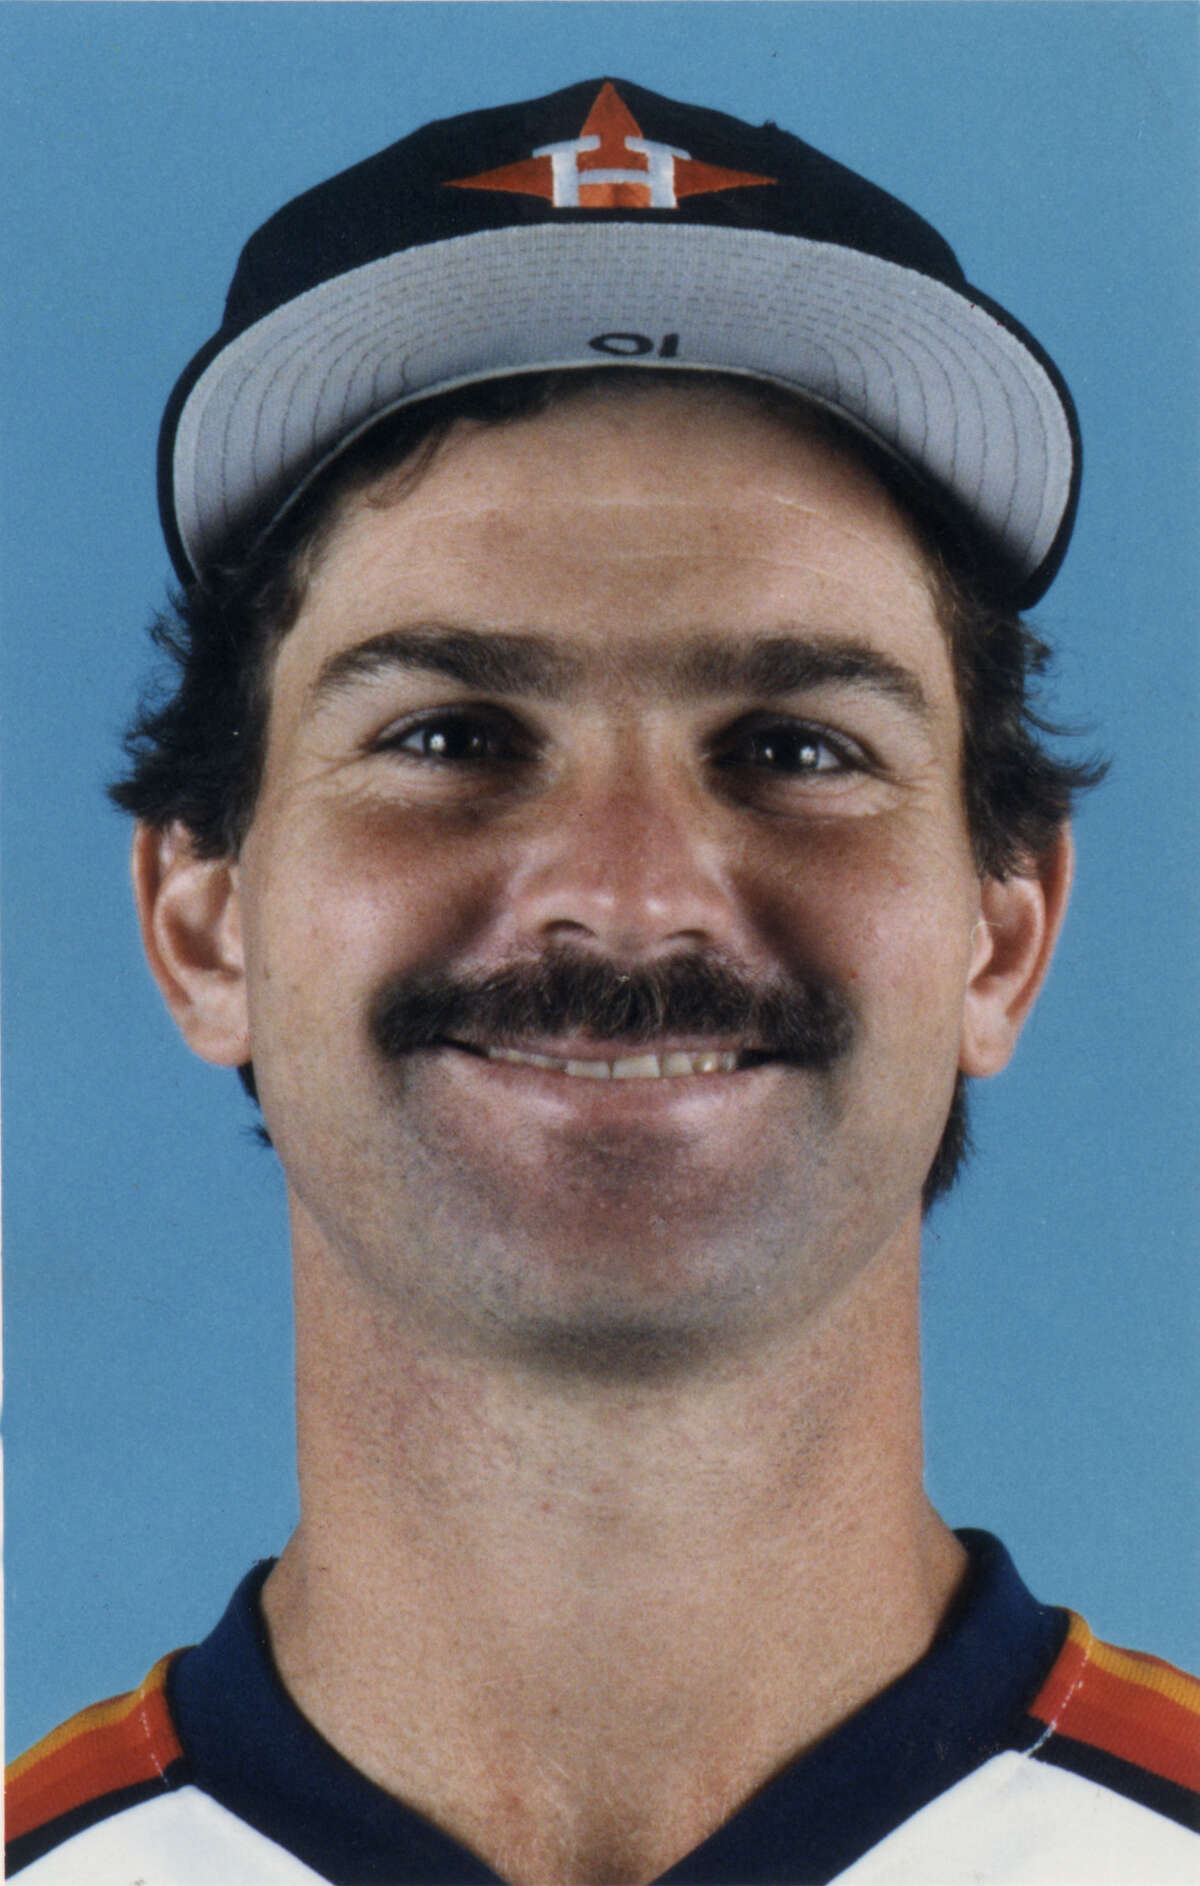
[192,935]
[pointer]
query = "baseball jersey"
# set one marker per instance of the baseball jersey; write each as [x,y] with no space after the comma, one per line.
[1020,1751]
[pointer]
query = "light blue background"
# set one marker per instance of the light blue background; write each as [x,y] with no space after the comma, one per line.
[148,1348]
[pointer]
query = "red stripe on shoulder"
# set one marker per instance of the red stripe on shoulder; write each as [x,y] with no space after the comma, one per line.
[118,1744]
[1130,1705]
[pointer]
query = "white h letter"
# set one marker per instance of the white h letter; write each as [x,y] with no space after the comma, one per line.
[567,176]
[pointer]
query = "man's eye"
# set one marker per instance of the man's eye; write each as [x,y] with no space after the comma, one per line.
[788,749]
[453,739]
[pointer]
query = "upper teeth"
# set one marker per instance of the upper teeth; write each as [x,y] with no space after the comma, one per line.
[631,1067]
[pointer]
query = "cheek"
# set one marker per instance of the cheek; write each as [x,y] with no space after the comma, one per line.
[886,915]
[349,900]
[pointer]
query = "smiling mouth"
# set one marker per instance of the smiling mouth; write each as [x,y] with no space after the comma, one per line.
[673,1064]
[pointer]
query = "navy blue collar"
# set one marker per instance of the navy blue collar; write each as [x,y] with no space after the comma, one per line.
[248,1745]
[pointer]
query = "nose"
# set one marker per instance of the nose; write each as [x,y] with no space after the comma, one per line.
[635,864]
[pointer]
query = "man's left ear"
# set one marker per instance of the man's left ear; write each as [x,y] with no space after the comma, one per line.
[191,930]
[1020,918]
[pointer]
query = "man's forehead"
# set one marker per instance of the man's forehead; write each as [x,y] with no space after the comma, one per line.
[683,542]
[737,470]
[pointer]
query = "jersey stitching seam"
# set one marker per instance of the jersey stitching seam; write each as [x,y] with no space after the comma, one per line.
[1051,1728]
[147,1728]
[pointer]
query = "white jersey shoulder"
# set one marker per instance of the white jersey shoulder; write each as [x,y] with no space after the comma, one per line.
[1019,1822]
[1013,1822]
[180,1839]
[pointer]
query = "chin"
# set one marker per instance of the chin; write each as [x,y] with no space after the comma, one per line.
[621,1347]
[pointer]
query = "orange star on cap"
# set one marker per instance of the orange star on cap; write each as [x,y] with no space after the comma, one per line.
[609,166]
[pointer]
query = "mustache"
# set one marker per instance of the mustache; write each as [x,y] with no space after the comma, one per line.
[805,1021]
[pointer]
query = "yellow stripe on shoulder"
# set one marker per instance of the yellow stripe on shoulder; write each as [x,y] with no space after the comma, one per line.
[125,1742]
[1147,1672]
[90,1721]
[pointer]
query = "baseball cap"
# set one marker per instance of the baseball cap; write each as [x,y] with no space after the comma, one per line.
[605,225]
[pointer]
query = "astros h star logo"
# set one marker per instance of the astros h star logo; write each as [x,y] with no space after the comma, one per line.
[610,166]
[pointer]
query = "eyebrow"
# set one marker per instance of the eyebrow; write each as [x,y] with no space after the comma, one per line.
[772,665]
[497,662]
[493,662]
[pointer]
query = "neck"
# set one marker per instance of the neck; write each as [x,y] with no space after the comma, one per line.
[516,1599]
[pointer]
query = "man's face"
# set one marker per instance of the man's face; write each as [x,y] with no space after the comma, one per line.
[651,679]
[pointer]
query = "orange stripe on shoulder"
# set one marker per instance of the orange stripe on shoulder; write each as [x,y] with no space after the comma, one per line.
[112,1745]
[1128,1704]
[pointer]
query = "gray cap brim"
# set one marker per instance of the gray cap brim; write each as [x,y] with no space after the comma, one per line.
[936,378]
